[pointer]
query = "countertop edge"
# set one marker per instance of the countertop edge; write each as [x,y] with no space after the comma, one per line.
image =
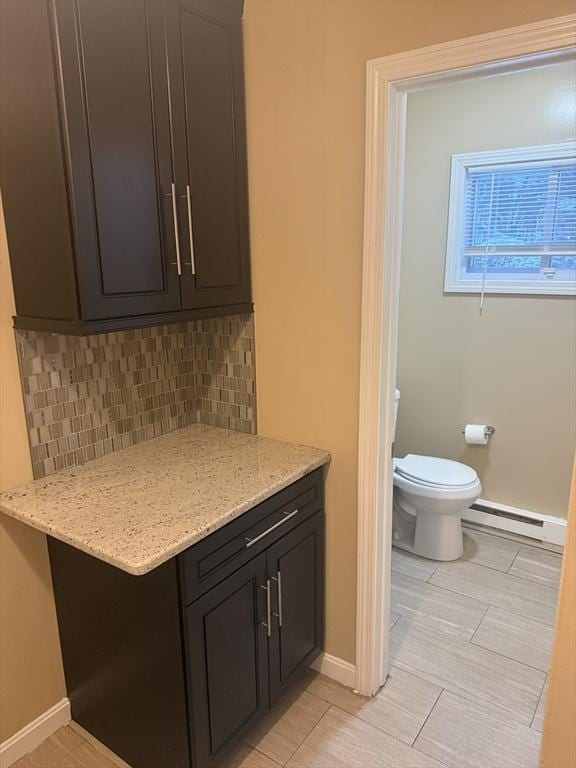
[178,547]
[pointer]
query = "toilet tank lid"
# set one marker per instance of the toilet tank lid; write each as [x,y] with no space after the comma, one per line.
[435,471]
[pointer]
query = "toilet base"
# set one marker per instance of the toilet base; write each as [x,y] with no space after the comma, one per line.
[431,535]
[439,537]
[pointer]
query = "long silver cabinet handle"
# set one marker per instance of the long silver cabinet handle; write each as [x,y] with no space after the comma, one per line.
[251,542]
[278,580]
[268,622]
[190,231]
[175,220]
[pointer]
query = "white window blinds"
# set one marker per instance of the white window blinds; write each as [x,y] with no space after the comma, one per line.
[512,221]
[525,217]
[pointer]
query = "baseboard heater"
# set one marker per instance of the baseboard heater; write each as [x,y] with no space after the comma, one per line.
[522,522]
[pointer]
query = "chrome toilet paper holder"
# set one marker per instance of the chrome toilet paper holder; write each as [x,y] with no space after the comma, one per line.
[489,431]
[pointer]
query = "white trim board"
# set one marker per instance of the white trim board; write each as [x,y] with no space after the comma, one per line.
[33,734]
[335,668]
[546,528]
[388,81]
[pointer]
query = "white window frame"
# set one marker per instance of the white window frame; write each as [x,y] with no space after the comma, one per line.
[454,281]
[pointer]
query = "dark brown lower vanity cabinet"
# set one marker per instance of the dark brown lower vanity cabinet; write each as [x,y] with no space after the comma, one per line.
[170,669]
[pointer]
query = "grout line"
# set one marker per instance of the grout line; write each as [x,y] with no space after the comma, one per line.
[539,702]
[419,749]
[556,587]
[436,700]
[493,708]
[426,754]
[467,642]
[471,640]
[481,565]
[513,562]
[522,541]
[463,559]
[255,749]
[506,573]
[502,656]
[494,605]
[331,706]
[502,573]
[427,581]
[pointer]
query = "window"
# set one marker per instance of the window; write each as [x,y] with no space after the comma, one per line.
[512,221]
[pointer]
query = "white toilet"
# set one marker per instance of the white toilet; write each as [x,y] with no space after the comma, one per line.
[430,495]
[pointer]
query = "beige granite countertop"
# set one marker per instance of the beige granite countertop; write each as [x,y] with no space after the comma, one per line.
[141,506]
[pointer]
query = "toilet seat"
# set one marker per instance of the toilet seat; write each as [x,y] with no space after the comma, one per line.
[433,472]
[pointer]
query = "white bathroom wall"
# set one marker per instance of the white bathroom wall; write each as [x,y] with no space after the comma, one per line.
[513,367]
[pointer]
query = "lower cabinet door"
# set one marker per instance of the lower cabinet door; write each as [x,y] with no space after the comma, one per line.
[295,566]
[227,648]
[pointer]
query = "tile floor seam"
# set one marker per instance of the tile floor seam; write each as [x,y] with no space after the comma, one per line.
[516,538]
[482,565]
[331,706]
[437,699]
[513,576]
[493,605]
[539,700]
[273,760]
[515,613]
[512,563]
[536,581]
[536,544]
[471,640]
[427,581]
[464,703]
[488,650]
[479,565]
[532,581]
[427,754]
[256,739]
[478,645]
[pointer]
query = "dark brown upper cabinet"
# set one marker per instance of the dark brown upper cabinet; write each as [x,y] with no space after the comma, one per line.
[209,135]
[123,161]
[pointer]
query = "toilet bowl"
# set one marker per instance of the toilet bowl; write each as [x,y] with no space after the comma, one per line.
[430,495]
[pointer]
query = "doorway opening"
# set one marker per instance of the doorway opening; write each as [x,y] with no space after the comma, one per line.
[390,81]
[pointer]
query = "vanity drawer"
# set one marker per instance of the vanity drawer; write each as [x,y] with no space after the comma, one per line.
[220,554]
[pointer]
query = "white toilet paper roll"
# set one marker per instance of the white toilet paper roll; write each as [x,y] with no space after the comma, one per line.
[476,434]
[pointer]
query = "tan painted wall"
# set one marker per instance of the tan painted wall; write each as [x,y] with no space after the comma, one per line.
[305,86]
[31,677]
[559,738]
[512,367]
[305,82]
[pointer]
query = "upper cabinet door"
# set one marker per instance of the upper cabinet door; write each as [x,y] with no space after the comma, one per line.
[207,100]
[115,97]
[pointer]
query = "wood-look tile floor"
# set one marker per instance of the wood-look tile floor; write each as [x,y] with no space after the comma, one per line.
[470,650]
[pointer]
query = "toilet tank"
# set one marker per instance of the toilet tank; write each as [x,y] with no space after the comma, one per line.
[396,399]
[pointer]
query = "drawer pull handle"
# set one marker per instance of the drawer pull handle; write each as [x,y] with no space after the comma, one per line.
[251,542]
[268,622]
[278,580]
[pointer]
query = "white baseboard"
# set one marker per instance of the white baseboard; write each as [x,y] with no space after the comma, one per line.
[523,522]
[33,734]
[335,668]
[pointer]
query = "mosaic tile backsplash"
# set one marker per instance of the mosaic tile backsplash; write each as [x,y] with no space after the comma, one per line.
[87,396]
